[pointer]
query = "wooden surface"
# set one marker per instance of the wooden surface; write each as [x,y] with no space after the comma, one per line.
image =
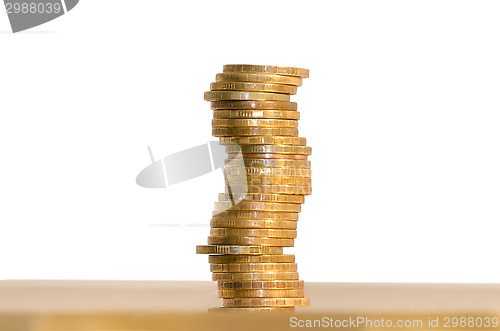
[163,305]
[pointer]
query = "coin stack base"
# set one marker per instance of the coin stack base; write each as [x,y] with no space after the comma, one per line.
[267,176]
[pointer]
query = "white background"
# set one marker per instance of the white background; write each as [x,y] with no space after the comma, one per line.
[402,110]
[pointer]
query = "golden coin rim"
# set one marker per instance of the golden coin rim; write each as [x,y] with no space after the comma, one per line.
[253,267]
[256,114]
[258,78]
[263,284]
[267,163]
[253,123]
[267,69]
[254,276]
[257,214]
[252,105]
[268,171]
[267,197]
[271,233]
[275,302]
[271,258]
[256,224]
[254,205]
[256,241]
[253,87]
[274,149]
[238,249]
[261,293]
[240,95]
[253,310]
[265,140]
[251,131]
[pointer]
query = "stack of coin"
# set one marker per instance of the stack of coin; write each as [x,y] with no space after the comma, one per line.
[257,215]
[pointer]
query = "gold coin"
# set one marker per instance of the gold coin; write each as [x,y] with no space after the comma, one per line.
[258,224]
[264,206]
[238,122]
[248,113]
[234,95]
[263,171]
[238,104]
[228,232]
[285,198]
[254,267]
[254,131]
[254,276]
[280,189]
[258,78]
[275,149]
[267,156]
[260,69]
[258,215]
[264,140]
[234,249]
[253,310]
[264,180]
[257,285]
[266,302]
[262,293]
[258,241]
[269,163]
[277,258]
[254,87]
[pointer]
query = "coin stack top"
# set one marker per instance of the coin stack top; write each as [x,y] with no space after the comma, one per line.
[267,176]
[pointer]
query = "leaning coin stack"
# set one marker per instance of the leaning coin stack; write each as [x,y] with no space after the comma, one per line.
[257,215]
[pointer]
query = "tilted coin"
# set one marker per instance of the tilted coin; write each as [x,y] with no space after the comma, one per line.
[285,198]
[274,284]
[245,104]
[226,232]
[252,205]
[254,87]
[266,302]
[259,241]
[264,140]
[258,224]
[257,122]
[258,215]
[250,163]
[254,131]
[258,78]
[264,293]
[236,95]
[254,267]
[276,258]
[247,113]
[235,249]
[276,149]
[254,276]
[263,171]
[250,68]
